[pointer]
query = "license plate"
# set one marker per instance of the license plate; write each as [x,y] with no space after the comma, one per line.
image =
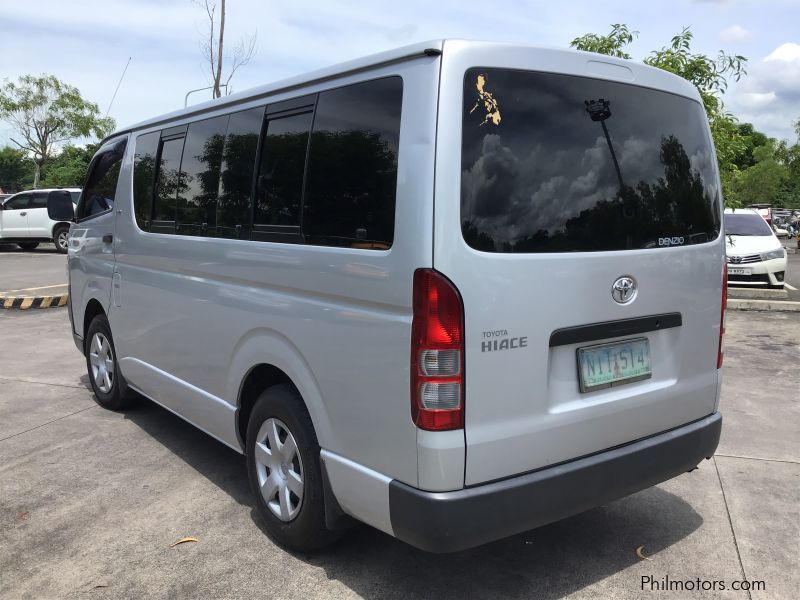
[610,365]
[738,271]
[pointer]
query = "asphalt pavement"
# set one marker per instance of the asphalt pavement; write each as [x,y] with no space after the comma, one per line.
[91,501]
[41,271]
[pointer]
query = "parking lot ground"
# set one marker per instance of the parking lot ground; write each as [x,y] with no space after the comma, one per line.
[38,272]
[91,500]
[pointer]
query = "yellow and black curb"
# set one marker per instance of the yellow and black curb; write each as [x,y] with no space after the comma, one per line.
[26,302]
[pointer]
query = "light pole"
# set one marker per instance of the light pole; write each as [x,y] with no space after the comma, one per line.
[186,98]
[599,110]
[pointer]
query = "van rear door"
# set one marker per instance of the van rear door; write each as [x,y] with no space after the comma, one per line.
[583,234]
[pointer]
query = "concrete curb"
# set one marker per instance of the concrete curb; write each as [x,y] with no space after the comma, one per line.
[26,302]
[771,305]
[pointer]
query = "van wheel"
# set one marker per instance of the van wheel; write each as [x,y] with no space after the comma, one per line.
[284,470]
[61,238]
[107,382]
[28,245]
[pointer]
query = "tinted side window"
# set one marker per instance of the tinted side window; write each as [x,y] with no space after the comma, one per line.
[168,186]
[39,200]
[144,170]
[101,185]
[18,202]
[200,170]
[75,197]
[238,161]
[352,168]
[280,176]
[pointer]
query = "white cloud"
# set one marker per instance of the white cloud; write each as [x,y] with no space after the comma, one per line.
[735,34]
[769,96]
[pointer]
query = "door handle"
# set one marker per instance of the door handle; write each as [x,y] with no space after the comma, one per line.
[22,214]
[108,238]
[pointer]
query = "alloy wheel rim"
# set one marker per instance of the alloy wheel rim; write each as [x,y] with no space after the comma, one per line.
[63,239]
[101,358]
[279,469]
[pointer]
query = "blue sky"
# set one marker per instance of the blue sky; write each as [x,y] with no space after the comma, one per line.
[88,42]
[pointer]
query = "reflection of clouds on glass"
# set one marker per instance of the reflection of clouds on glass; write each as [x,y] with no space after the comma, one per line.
[548,179]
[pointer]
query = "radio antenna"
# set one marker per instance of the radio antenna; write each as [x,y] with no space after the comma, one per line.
[125,70]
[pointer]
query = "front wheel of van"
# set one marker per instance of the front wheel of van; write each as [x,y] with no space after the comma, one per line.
[284,470]
[107,382]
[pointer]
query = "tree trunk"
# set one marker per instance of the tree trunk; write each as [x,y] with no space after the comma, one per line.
[218,77]
[37,174]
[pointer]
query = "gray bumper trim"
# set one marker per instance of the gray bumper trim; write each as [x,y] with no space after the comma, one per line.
[451,521]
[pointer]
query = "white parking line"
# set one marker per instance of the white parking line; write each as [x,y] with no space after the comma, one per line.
[42,287]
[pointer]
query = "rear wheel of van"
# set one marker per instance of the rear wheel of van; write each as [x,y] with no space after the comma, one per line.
[61,238]
[28,245]
[284,470]
[107,382]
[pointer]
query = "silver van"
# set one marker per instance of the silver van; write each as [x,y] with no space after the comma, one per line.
[454,291]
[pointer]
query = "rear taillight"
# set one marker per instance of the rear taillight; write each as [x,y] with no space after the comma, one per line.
[437,353]
[722,314]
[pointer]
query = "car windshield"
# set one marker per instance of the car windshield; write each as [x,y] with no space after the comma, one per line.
[745,224]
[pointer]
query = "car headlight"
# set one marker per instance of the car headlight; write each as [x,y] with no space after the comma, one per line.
[780,253]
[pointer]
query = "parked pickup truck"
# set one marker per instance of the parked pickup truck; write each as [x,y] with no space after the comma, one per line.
[24,220]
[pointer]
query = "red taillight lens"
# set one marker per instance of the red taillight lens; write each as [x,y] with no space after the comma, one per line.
[437,353]
[722,314]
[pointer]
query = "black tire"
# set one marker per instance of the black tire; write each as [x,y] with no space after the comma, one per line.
[119,396]
[306,532]
[28,245]
[57,233]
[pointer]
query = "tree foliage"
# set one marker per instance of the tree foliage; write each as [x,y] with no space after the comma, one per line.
[46,113]
[710,75]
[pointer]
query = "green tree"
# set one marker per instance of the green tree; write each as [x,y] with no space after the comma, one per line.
[68,168]
[612,44]
[46,112]
[763,181]
[709,75]
[15,170]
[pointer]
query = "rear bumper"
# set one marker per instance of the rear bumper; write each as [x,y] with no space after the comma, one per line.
[451,521]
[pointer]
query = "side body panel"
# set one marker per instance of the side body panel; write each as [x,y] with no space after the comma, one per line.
[14,221]
[197,314]
[90,260]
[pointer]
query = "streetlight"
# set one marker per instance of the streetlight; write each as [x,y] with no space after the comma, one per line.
[186,98]
[599,110]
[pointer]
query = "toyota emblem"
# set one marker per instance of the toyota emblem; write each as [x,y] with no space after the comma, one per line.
[624,289]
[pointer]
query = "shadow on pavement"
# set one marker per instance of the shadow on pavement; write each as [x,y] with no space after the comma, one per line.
[549,562]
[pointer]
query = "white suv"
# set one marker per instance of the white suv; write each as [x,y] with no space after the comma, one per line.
[24,220]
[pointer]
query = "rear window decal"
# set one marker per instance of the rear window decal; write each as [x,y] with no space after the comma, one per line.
[489,102]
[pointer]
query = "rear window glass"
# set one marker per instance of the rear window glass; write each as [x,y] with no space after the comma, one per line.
[745,224]
[557,163]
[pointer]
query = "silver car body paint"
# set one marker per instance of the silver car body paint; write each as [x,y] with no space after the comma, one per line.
[192,316]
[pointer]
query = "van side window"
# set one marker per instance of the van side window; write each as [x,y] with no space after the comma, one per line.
[199,178]
[144,172]
[352,166]
[167,186]
[280,177]
[101,184]
[236,180]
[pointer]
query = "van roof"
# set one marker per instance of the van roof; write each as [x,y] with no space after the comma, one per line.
[671,83]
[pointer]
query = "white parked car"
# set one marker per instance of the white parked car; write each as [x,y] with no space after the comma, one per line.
[755,256]
[24,220]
